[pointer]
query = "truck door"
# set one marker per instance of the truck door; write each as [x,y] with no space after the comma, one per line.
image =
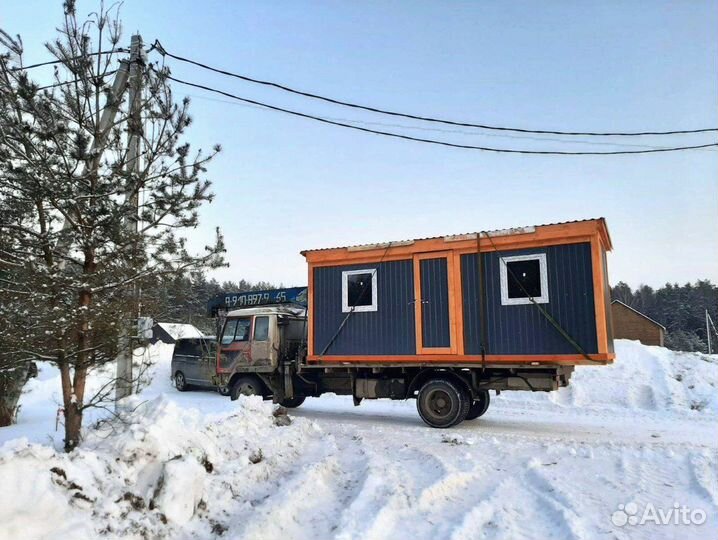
[235,346]
[261,341]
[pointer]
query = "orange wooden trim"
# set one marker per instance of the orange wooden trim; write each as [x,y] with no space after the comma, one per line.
[604,235]
[433,254]
[418,328]
[457,247]
[310,311]
[599,298]
[458,304]
[574,359]
[543,235]
[451,284]
[436,350]
[546,243]
[369,259]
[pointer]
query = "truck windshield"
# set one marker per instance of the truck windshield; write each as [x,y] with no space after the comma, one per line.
[236,330]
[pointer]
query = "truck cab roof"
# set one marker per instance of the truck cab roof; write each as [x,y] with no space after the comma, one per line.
[294,311]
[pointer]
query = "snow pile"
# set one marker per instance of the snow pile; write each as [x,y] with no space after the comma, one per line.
[197,465]
[649,379]
[149,476]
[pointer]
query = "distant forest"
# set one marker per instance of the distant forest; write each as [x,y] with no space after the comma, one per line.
[184,300]
[680,308]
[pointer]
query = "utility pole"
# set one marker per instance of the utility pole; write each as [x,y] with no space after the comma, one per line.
[708,332]
[119,85]
[136,72]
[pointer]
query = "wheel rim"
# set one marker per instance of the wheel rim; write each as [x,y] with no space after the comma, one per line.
[179,381]
[439,403]
[247,389]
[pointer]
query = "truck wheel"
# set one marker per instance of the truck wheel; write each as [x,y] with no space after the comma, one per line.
[181,382]
[480,406]
[292,403]
[245,386]
[443,403]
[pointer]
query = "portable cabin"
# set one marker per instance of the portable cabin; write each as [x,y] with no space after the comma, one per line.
[531,295]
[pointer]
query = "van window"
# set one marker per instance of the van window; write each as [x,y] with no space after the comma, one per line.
[187,347]
[261,328]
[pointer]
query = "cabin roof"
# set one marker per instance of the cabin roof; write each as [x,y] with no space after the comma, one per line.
[565,227]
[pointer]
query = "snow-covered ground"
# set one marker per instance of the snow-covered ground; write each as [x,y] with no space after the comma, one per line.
[641,434]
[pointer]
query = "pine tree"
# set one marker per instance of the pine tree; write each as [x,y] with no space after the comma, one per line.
[68,260]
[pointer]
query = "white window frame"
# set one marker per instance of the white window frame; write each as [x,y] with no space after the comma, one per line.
[503,272]
[346,308]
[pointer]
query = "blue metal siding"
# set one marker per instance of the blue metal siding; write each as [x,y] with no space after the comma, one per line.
[388,331]
[434,303]
[522,329]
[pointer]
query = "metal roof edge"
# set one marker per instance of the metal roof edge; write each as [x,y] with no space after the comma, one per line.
[463,236]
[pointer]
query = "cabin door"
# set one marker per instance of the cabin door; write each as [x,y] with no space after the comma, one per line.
[434,303]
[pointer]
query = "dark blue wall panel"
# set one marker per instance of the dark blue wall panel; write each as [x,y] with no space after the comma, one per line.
[434,303]
[522,329]
[390,330]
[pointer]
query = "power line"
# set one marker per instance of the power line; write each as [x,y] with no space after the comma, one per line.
[450,131]
[158,46]
[433,141]
[63,83]
[51,62]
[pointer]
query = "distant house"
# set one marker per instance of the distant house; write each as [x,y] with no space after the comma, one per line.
[171,332]
[629,323]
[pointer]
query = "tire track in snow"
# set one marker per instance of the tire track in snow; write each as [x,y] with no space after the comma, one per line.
[305,502]
[395,479]
[511,511]
[705,478]
[557,500]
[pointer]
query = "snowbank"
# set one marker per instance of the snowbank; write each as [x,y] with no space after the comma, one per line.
[642,378]
[150,476]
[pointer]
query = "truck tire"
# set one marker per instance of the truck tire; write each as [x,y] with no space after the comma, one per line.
[246,386]
[443,403]
[479,406]
[181,382]
[292,403]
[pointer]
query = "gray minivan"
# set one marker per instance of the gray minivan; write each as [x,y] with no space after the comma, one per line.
[194,363]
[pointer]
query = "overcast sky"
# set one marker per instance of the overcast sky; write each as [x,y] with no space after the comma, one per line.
[284,184]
